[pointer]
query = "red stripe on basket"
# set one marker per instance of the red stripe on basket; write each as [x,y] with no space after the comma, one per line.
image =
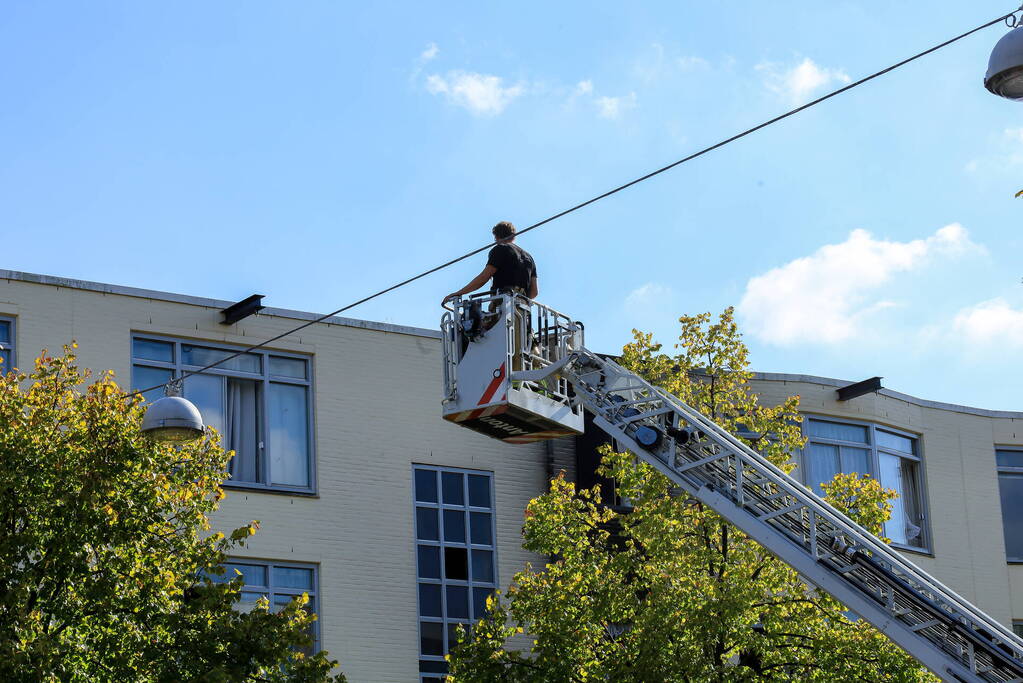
[492,388]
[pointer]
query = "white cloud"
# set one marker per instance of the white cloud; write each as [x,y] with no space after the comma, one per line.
[584,87]
[1006,157]
[647,295]
[429,53]
[825,298]
[990,322]
[607,107]
[800,81]
[480,94]
[1013,134]
[649,306]
[612,107]
[1012,153]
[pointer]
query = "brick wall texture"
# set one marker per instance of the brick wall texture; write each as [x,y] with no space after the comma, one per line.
[377,412]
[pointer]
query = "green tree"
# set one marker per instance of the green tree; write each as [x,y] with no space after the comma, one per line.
[108,568]
[669,591]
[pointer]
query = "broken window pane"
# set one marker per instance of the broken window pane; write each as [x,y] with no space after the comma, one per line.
[456,565]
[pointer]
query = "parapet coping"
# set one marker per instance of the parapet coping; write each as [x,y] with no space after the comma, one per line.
[831,382]
[209,303]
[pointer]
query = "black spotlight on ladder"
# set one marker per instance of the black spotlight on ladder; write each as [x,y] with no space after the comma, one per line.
[681,435]
[647,437]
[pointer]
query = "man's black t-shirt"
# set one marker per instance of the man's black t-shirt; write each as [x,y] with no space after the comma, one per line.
[515,267]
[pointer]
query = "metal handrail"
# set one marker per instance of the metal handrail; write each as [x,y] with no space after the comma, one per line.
[554,332]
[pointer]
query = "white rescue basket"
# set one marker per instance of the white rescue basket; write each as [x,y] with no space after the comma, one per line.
[501,353]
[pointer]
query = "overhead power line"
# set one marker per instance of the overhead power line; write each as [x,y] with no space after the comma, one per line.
[592,200]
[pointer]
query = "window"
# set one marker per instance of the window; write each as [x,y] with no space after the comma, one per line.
[279,582]
[1017,627]
[455,559]
[260,402]
[6,345]
[889,456]
[1010,486]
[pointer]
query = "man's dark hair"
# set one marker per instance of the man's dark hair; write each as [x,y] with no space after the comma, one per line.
[504,230]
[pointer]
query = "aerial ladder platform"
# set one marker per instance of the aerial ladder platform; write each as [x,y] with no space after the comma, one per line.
[518,371]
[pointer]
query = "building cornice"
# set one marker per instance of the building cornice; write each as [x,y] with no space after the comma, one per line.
[938,405]
[218,304]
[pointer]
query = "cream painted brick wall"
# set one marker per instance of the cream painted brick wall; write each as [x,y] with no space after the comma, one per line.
[961,485]
[377,411]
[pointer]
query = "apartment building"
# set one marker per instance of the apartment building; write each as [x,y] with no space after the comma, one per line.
[958,470]
[399,524]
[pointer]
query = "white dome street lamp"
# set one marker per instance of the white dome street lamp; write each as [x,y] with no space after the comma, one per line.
[172,419]
[1005,67]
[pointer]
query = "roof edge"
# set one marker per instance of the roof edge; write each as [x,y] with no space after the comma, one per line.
[204,302]
[831,382]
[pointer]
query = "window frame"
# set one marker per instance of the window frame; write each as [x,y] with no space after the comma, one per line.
[1017,627]
[177,367]
[1011,471]
[874,451]
[271,591]
[441,543]
[12,346]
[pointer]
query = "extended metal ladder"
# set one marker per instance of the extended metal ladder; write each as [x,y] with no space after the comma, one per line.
[942,630]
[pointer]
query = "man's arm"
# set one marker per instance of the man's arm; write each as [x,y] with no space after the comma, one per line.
[534,289]
[475,283]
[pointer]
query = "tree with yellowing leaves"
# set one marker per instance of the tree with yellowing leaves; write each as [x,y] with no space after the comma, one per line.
[666,589]
[109,571]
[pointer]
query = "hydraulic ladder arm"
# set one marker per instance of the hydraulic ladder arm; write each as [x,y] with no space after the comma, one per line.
[946,633]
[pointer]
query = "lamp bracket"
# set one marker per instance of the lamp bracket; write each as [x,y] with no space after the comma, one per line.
[173,387]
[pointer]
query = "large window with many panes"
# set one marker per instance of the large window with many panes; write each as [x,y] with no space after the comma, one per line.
[888,455]
[260,402]
[1010,486]
[278,582]
[6,344]
[456,563]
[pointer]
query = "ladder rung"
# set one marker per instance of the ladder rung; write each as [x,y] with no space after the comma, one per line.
[783,511]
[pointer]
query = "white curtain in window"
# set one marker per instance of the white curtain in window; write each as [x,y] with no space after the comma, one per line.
[855,460]
[837,430]
[289,435]
[900,474]
[242,430]
[821,465]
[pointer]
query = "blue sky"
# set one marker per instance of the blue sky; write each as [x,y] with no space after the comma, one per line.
[315,152]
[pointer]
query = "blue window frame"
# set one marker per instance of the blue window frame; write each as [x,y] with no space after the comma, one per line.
[7,359]
[456,558]
[888,455]
[1009,463]
[260,402]
[278,582]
